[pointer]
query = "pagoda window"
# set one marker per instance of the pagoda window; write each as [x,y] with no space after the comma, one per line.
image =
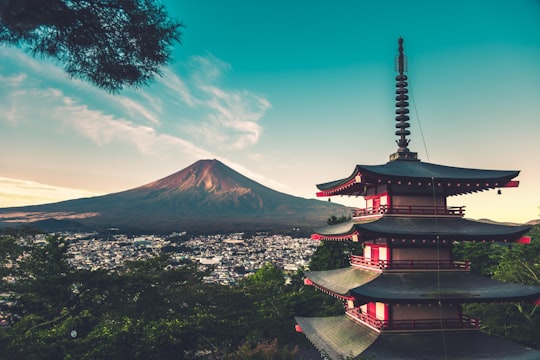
[369,203]
[376,310]
[381,311]
[377,204]
[376,254]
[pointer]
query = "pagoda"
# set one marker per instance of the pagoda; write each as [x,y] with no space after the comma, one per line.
[403,295]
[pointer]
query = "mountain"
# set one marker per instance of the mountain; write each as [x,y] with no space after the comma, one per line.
[205,197]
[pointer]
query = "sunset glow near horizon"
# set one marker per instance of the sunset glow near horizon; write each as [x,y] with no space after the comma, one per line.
[290,94]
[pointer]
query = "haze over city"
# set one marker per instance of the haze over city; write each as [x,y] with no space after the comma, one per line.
[290,95]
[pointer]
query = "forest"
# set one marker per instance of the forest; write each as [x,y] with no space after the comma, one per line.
[153,310]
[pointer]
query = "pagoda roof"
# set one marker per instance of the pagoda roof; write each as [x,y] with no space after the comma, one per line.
[340,281]
[443,286]
[461,180]
[340,337]
[421,228]
[416,287]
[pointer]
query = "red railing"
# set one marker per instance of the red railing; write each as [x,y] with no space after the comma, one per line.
[410,210]
[410,264]
[465,322]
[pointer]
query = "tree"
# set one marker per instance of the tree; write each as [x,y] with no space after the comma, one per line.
[334,254]
[111,43]
[264,351]
[517,321]
[483,257]
[144,311]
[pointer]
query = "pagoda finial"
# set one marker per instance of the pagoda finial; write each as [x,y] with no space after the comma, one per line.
[402,108]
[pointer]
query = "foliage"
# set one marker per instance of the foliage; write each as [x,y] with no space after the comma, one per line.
[110,43]
[334,254]
[519,322]
[145,311]
[483,257]
[332,220]
[264,351]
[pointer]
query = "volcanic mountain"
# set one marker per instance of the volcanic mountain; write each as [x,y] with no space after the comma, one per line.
[205,197]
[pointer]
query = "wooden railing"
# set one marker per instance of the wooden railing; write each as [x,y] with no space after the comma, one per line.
[410,264]
[410,210]
[465,322]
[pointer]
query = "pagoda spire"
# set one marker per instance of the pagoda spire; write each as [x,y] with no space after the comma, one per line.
[402,108]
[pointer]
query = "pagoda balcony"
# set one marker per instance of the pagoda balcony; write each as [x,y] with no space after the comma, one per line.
[379,264]
[410,210]
[466,322]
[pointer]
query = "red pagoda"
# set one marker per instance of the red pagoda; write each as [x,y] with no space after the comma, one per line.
[403,296]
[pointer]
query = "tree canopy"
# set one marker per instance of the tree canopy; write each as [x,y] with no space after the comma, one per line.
[517,321]
[111,43]
[147,310]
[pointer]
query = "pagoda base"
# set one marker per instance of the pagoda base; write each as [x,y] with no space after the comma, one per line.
[339,337]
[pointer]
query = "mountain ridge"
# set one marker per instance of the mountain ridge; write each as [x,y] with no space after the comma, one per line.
[207,195]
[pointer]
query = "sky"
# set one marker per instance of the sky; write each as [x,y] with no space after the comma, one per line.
[290,94]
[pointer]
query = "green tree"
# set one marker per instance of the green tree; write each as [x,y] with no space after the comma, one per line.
[483,257]
[112,43]
[264,351]
[334,254]
[517,321]
[145,311]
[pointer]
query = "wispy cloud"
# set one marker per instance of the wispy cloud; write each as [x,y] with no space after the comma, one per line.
[217,116]
[137,109]
[104,129]
[178,87]
[232,115]
[237,113]
[16,192]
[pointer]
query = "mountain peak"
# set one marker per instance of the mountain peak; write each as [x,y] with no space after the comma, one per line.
[209,175]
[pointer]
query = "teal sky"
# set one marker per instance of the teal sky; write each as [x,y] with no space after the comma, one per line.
[290,94]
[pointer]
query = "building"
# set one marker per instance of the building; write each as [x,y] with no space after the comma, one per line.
[403,296]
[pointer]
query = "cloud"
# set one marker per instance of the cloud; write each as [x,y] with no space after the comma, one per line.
[227,117]
[208,68]
[134,108]
[17,192]
[171,81]
[104,129]
[188,97]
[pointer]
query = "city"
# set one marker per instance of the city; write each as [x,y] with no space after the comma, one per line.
[230,256]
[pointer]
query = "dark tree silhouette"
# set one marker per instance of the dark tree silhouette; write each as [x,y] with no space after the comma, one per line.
[111,43]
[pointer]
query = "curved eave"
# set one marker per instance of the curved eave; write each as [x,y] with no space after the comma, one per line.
[442,228]
[342,231]
[456,287]
[339,282]
[422,228]
[338,232]
[456,180]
